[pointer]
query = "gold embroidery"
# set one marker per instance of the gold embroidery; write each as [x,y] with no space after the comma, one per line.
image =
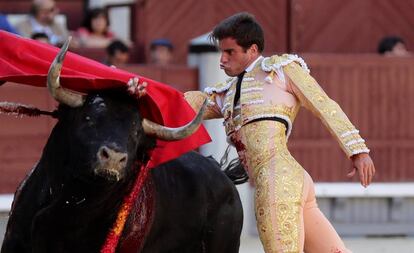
[350,137]
[254,110]
[251,96]
[251,112]
[275,60]
[262,148]
[252,84]
[196,99]
[254,71]
[229,97]
[279,185]
[219,87]
[315,99]
[234,119]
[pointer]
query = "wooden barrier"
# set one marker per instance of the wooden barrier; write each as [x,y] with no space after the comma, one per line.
[22,139]
[181,78]
[375,92]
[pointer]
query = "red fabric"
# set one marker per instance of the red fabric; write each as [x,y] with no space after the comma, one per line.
[27,61]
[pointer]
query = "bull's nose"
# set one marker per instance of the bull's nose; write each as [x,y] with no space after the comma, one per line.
[111,157]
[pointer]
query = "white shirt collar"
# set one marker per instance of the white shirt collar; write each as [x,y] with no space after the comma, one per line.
[251,66]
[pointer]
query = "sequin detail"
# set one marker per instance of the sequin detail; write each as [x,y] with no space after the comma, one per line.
[220,87]
[196,99]
[276,62]
[262,111]
[279,185]
[315,99]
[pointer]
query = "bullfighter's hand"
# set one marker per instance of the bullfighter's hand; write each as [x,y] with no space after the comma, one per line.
[136,88]
[365,166]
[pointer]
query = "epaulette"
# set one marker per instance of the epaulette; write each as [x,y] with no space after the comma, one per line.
[276,62]
[220,87]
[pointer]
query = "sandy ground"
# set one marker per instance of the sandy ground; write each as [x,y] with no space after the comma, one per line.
[3,222]
[251,244]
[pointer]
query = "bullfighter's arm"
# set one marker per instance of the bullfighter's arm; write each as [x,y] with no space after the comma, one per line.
[196,99]
[312,96]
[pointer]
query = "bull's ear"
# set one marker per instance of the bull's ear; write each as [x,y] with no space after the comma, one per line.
[22,110]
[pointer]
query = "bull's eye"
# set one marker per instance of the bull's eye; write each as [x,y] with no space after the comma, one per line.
[89,121]
[97,100]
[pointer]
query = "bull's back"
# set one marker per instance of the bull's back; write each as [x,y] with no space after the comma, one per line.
[190,179]
[189,191]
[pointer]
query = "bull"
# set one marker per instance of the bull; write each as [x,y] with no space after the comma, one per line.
[70,199]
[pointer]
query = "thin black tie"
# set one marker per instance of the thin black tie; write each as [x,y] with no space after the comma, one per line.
[238,88]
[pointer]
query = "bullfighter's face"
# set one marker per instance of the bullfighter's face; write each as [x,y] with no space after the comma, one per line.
[234,58]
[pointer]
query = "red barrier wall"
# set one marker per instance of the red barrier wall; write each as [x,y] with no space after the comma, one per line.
[375,92]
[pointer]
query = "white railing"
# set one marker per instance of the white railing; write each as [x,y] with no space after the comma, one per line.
[323,190]
[355,190]
[5,202]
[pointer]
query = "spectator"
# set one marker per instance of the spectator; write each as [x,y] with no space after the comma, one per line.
[117,54]
[392,46]
[42,37]
[5,25]
[161,52]
[42,20]
[95,30]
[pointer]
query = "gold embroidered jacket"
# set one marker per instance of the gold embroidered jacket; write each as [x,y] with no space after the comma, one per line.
[276,87]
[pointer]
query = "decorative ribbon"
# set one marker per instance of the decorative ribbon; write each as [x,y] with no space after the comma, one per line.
[115,233]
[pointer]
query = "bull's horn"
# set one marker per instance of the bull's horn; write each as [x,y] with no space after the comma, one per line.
[173,134]
[53,84]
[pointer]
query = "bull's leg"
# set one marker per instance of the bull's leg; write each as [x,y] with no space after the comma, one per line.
[17,237]
[13,244]
[223,234]
[190,247]
[44,238]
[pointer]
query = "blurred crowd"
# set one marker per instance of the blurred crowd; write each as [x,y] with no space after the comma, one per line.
[42,24]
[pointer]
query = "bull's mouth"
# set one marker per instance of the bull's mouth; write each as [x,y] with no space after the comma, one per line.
[110,164]
[109,174]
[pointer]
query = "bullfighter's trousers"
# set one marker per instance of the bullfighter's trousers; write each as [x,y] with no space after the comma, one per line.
[288,218]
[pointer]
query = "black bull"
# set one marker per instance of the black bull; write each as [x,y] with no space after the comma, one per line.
[71,198]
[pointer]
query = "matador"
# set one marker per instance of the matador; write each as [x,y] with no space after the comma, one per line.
[259,103]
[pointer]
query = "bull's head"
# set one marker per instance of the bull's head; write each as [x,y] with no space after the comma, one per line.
[102,137]
[107,125]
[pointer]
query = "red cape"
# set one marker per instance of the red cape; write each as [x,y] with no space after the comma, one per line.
[27,61]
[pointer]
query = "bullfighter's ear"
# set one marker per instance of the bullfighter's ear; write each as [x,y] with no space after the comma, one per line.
[22,110]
